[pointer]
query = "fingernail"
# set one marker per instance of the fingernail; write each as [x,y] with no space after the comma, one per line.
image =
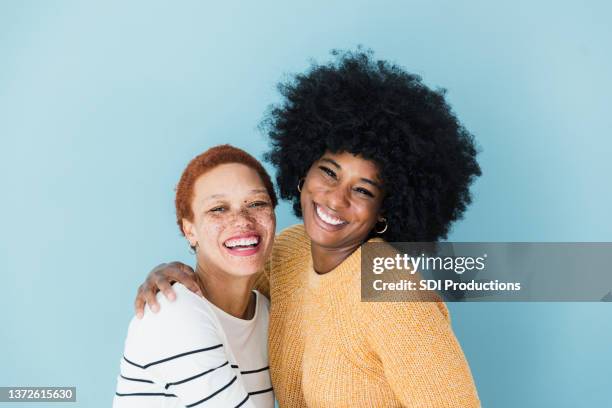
[170,296]
[139,315]
[154,308]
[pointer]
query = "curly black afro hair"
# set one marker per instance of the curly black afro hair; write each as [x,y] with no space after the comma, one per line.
[375,109]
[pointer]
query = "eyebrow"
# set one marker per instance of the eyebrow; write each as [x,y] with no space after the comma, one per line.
[325,159]
[365,180]
[372,182]
[254,191]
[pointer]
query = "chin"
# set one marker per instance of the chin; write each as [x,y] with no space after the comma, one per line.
[319,236]
[244,267]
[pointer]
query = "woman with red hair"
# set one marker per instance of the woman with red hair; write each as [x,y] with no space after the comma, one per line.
[210,346]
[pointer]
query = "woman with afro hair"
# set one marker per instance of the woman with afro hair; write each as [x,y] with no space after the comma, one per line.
[365,152]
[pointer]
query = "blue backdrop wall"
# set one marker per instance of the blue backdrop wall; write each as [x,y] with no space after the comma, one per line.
[102,104]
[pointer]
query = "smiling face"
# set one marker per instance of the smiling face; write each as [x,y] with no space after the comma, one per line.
[341,200]
[233,220]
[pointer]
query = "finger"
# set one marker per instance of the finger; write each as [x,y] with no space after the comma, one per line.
[194,287]
[166,288]
[162,278]
[171,272]
[139,304]
[179,268]
[185,268]
[151,299]
[182,273]
[189,281]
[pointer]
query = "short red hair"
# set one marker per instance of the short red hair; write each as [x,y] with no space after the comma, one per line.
[211,158]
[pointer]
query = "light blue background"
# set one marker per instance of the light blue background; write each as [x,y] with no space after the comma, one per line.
[102,104]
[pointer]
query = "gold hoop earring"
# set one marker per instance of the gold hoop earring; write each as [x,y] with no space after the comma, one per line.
[384,229]
[300,184]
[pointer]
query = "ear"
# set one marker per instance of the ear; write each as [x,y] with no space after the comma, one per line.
[189,231]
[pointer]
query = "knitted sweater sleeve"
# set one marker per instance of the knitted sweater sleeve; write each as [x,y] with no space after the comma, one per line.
[422,360]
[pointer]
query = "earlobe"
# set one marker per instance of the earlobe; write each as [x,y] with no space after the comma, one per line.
[188,232]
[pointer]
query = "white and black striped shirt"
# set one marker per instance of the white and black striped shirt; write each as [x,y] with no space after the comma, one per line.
[193,354]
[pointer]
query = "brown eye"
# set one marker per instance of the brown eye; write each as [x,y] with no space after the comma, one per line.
[365,192]
[328,172]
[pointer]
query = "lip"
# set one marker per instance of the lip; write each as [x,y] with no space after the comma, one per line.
[324,225]
[244,252]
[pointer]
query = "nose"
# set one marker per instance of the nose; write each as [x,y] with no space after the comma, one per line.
[338,198]
[242,218]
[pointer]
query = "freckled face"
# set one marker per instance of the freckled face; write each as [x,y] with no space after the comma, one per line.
[233,220]
[341,199]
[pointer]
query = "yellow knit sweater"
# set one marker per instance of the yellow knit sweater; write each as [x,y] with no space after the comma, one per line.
[329,349]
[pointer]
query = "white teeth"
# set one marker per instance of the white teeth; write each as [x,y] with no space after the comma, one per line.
[231,243]
[330,219]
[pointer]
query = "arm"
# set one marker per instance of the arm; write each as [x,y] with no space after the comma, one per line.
[161,279]
[422,360]
[180,352]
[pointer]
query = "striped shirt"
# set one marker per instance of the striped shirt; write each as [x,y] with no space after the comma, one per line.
[193,354]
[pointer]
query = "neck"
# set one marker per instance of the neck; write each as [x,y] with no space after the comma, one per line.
[325,259]
[230,293]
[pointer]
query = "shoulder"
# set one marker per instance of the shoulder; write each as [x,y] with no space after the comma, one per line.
[291,244]
[187,305]
[185,323]
[290,254]
[290,258]
[292,240]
